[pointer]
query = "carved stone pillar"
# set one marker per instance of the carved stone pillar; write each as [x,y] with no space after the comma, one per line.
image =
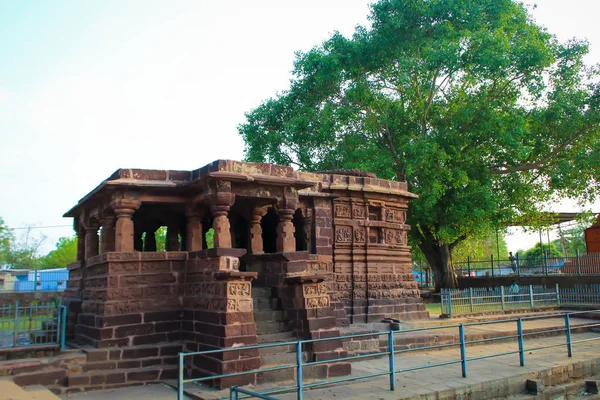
[194,232]
[286,242]
[91,240]
[80,244]
[124,209]
[221,226]
[220,202]
[256,239]
[107,234]
[172,243]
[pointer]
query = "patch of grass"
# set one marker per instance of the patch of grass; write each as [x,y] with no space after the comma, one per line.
[435,309]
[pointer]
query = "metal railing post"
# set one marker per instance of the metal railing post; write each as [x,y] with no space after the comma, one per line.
[35,278]
[531,296]
[180,378]
[557,295]
[299,369]
[502,296]
[63,336]
[463,350]
[233,393]
[469,264]
[449,298]
[578,263]
[492,260]
[568,334]
[521,346]
[545,261]
[518,266]
[16,326]
[471,298]
[392,361]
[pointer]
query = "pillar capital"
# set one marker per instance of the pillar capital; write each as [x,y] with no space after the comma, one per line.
[107,221]
[256,239]
[288,200]
[125,207]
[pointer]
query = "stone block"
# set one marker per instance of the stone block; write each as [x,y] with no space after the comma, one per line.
[115,377]
[133,330]
[140,352]
[46,378]
[142,375]
[78,380]
[127,319]
[150,339]
[534,386]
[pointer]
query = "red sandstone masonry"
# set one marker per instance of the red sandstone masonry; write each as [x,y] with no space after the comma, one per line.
[131,299]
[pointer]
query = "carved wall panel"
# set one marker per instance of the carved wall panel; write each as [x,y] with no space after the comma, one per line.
[343,234]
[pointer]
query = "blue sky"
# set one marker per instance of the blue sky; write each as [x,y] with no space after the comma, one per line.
[88,86]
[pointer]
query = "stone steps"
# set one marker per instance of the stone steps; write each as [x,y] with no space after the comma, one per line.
[276,337]
[48,377]
[11,390]
[266,327]
[269,360]
[269,315]
[26,365]
[98,379]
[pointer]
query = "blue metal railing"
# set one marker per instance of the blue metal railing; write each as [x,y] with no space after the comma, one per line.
[40,324]
[584,264]
[457,301]
[300,386]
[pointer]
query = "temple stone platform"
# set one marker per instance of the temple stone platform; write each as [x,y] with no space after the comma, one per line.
[253,253]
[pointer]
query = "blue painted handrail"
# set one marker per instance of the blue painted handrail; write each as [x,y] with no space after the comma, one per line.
[391,352]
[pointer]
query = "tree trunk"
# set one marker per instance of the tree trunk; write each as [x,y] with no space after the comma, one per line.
[439,257]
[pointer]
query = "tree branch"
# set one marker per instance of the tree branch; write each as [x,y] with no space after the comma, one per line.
[541,164]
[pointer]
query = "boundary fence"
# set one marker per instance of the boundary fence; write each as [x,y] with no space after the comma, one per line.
[457,301]
[586,264]
[391,353]
[35,325]
[36,280]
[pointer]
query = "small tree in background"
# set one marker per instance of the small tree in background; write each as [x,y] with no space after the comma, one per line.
[64,254]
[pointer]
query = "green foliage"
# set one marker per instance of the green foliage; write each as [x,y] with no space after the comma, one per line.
[535,255]
[161,238]
[483,112]
[210,238]
[574,240]
[64,254]
[480,249]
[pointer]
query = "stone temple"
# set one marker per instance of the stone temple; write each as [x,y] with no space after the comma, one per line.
[296,256]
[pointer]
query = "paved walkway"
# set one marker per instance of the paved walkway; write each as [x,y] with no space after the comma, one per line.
[492,375]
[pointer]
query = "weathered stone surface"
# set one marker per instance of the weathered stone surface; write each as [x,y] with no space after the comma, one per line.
[275,228]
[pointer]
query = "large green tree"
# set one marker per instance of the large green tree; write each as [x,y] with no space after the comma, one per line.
[482,111]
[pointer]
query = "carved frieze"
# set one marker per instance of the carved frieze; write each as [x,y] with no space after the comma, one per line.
[358,211]
[343,234]
[395,216]
[317,302]
[342,210]
[359,235]
[242,289]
